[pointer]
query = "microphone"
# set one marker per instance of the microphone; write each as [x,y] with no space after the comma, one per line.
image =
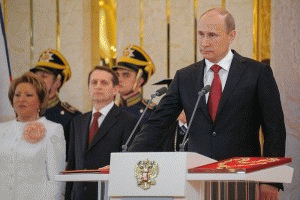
[158,92]
[202,92]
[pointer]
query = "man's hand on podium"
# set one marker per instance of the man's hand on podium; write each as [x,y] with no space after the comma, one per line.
[107,167]
[268,192]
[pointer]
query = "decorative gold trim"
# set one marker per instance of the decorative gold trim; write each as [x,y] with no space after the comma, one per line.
[195,29]
[224,4]
[255,30]
[168,13]
[5,13]
[31,34]
[57,26]
[261,38]
[142,19]
[261,29]
[133,100]
[95,32]
[103,32]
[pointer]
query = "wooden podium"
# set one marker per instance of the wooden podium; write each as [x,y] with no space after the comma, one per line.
[164,175]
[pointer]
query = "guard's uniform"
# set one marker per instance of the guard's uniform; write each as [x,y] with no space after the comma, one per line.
[53,62]
[62,113]
[136,59]
[135,106]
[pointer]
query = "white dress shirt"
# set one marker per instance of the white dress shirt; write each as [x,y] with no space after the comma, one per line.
[182,124]
[223,73]
[104,111]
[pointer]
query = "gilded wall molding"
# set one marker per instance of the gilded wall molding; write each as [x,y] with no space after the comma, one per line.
[104,29]
[168,15]
[261,29]
[57,26]
[195,29]
[31,34]
[142,21]
[224,4]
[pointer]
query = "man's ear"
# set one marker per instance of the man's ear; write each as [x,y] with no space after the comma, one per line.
[57,83]
[116,89]
[141,81]
[233,35]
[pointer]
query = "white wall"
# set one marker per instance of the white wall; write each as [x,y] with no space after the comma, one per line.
[75,41]
[285,62]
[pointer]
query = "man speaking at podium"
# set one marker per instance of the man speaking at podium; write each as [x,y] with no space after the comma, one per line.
[243,97]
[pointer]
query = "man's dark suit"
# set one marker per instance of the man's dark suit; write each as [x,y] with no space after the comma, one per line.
[168,140]
[112,134]
[250,99]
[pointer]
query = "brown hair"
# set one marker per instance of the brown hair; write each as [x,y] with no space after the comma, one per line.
[229,20]
[115,79]
[38,84]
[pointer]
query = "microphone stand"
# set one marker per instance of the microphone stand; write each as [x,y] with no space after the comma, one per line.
[200,94]
[125,146]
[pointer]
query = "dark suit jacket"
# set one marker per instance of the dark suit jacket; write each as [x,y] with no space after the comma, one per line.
[112,134]
[62,113]
[168,140]
[250,99]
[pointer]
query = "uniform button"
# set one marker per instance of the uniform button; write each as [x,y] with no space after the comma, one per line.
[85,188]
[214,134]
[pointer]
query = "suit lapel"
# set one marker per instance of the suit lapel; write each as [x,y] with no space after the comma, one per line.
[200,85]
[108,122]
[85,130]
[235,73]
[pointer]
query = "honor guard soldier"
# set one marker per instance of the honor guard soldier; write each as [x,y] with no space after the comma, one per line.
[134,69]
[54,70]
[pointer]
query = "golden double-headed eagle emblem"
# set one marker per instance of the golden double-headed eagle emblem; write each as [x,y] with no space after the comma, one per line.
[46,56]
[145,172]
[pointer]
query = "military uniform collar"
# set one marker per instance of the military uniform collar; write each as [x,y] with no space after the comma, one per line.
[133,100]
[53,102]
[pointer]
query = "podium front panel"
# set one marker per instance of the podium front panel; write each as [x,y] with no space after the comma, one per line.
[170,180]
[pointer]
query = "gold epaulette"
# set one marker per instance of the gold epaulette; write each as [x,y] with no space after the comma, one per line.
[151,106]
[71,109]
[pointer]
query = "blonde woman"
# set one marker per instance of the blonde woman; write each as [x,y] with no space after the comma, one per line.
[32,148]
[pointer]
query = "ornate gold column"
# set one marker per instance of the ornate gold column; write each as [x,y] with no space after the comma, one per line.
[168,14]
[195,29]
[142,19]
[261,29]
[104,29]
[31,34]
[224,3]
[4,7]
[261,38]
[57,26]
